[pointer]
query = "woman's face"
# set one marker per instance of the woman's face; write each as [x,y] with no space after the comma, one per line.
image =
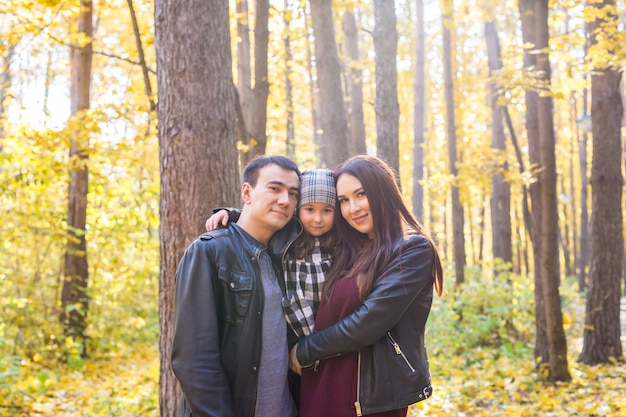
[355,206]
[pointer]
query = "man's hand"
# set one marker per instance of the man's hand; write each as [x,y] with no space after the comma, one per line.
[294,365]
[217,219]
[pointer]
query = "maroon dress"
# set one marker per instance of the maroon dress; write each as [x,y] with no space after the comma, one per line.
[330,390]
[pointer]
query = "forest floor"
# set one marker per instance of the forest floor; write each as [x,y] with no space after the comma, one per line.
[481,382]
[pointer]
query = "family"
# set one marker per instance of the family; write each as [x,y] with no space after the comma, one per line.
[321,314]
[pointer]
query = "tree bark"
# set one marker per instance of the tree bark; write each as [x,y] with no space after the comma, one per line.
[550,271]
[244,77]
[74,297]
[333,120]
[197,143]
[527,14]
[601,337]
[257,124]
[457,209]
[354,86]
[290,133]
[386,100]
[501,197]
[419,111]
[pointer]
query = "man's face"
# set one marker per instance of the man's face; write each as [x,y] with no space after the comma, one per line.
[273,200]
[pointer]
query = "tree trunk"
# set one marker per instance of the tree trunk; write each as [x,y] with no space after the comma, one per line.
[585,249]
[313,91]
[290,133]
[257,124]
[333,120]
[601,337]
[457,209]
[419,111]
[501,197]
[74,297]
[527,14]
[244,77]
[197,143]
[550,272]
[354,86]
[386,101]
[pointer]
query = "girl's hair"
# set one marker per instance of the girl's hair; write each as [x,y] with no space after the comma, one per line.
[304,244]
[391,219]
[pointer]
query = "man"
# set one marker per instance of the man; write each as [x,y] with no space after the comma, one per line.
[229,352]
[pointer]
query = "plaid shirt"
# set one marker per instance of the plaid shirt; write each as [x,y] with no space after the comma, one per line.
[304,279]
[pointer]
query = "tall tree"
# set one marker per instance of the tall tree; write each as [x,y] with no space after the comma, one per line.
[419,111]
[447,21]
[527,14]
[291,136]
[74,297]
[244,78]
[601,337]
[257,124]
[354,85]
[333,119]
[386,101]
[197,143]
[584,245]
[550,272]
[501,194]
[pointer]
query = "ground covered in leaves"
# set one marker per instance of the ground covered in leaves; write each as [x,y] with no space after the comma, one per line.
[482,365]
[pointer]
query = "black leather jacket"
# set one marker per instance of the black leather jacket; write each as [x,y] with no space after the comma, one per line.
[388,332]
[217,325]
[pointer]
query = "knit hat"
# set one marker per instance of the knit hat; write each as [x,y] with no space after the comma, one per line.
[317,186]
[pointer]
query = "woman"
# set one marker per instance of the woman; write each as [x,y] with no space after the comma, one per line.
[367,354]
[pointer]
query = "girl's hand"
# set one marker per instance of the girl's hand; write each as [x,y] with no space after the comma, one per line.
[217,219]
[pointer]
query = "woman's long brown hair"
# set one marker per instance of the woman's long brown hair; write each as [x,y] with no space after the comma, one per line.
[391,220]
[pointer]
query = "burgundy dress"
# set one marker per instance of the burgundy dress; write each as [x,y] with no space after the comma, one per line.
[331,389]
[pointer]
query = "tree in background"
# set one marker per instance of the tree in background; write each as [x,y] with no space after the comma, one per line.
[601,339]
[419,111]
[333,120]
[527,15]
[197,143]
[74,298]
[386,101]
[501,192]
[354,84]
[447,22]
[549,256]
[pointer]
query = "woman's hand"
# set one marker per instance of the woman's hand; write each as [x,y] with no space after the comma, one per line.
[217,219]
[294,365]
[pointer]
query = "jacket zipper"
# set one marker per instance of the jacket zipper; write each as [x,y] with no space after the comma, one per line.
[396,347]
[357,403]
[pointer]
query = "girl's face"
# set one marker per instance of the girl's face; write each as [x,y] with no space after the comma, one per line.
[355,207]
[317,218]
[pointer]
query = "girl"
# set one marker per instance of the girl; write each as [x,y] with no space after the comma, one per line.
[367,354]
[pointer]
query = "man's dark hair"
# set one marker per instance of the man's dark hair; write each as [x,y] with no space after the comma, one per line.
[251,172]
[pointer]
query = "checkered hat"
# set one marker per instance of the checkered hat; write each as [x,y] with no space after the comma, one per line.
[317,186]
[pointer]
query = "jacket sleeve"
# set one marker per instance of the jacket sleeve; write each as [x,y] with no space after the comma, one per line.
[407,275]
[196,357]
